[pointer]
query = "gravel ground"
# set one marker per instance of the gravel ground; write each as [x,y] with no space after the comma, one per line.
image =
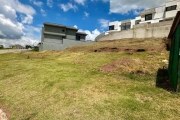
[3,115]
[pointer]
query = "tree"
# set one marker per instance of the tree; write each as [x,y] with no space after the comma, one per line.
[28,46]
[1,47]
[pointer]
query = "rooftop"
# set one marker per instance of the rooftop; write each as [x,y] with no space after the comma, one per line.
[148,11]
[82,33]
[60,25]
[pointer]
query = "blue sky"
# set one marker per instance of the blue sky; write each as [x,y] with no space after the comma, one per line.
[21,20]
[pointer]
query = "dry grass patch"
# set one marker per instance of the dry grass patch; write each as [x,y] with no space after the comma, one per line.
[69,84]
[128,45]
[139,63]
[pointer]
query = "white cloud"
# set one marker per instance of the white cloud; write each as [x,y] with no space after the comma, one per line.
[2,35]
[82,2]
[91,35]
[25,40]
[19,7]
[12,31]
[28,19]
[8,12]
[75,26]
[31,29]
[50,3]
[37,3]
[86,14]
[104,23]
[67,7]
[125,6]
[43,12]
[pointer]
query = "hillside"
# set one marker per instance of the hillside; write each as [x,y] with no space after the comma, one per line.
[123,45]
[105,80]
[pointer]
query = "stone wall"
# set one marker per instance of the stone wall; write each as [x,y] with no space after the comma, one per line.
[145,30]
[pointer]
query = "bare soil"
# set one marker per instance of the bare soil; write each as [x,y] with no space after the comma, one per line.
[112,67]
[125,49]
[3,115]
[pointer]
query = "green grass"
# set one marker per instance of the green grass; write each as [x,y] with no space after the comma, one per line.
[55,85]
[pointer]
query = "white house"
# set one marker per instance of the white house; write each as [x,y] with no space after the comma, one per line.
[153,15]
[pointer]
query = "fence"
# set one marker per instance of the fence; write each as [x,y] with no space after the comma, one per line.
[174,57]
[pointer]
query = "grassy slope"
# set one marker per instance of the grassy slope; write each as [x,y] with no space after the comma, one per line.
[69,85]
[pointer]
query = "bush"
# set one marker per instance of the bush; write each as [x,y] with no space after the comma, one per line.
[35,49]
[1,47]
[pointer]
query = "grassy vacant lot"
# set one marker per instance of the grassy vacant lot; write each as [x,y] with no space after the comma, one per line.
[106,80]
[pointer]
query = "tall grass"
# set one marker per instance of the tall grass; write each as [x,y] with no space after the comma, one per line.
[70,85]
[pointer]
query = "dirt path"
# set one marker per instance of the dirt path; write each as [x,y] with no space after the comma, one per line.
[3,115]
[13,51]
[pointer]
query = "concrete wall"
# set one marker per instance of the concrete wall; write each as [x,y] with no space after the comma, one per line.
[71,34]
[173,12]
[48,37]
[116,25]
[50,46]
[82,37]
[42,35]
[54,29]
[144,30]
[41,47]
[132,23]
[159,12]
[66,43]
[50,42]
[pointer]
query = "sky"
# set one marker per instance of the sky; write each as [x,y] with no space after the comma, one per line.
[21,21]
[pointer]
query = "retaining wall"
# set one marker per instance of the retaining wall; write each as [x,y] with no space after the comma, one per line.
[145,30]
[61,46]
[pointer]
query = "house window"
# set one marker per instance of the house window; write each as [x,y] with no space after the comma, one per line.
[78,37]
[170,8]
[137,22]
[125,26]
[63,30]
[148,17]
[111,27]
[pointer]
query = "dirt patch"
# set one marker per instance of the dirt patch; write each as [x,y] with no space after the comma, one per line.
[107,49]
[131,50]
[121,49]
[134,66]
[3,115]
[114,66]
